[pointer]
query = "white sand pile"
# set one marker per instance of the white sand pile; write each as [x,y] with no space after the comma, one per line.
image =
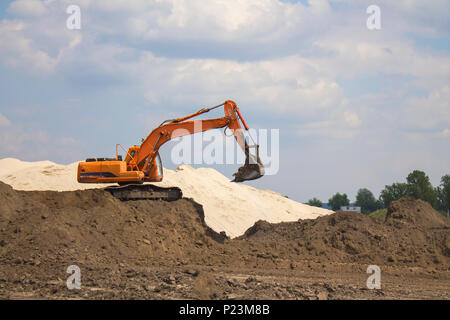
[42,175]
[228,206]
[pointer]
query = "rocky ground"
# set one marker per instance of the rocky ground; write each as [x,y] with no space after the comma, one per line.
[164,250]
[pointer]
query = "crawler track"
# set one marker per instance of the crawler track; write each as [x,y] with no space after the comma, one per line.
[145,192]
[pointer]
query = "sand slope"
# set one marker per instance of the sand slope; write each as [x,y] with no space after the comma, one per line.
[235,207]
[228,206]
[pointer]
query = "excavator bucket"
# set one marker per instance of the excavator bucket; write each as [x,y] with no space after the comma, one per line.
[252,169]
[248,172]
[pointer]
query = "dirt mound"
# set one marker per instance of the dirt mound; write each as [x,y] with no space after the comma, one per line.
[413,233]
[156,249]
[414,213]
[13,203]
[92,227]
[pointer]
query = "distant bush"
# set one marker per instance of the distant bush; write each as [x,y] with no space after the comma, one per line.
[366,200]
[337,201]
[315,202]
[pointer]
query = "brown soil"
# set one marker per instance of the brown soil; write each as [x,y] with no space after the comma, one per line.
[414,234]
[157,250]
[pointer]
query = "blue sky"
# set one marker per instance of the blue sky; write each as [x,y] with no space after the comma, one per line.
[355,107]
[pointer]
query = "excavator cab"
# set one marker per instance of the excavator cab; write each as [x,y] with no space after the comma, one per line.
[155,166]
[132,152]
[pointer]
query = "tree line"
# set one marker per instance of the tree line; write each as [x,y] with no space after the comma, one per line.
[417,185]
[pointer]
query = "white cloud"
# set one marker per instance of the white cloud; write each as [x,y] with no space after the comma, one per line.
[430,112]
[266,29]
[285,85]
[445,133]
[16,49]
[352,119]
[218,20]
[416,16]
[28,8]
[37,46]
[355,52]
[341,124]
[31,143]
[4,122]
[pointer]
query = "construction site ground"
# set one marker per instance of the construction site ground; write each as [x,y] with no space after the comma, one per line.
[148,249]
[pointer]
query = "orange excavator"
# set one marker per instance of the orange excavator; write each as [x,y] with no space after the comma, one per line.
[143,163]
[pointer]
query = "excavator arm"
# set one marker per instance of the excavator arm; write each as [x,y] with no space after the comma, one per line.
[174,128]
[150,146]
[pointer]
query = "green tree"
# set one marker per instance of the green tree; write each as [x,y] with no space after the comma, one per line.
[337,201]
[393,192]
[366,201]
[315,202]
[443,193]
[380,204]
[420,187]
